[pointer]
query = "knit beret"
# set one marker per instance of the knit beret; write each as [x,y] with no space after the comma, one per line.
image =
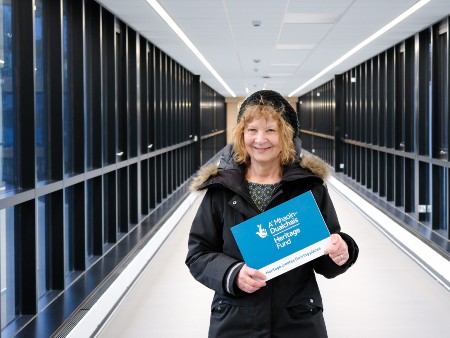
[278,102]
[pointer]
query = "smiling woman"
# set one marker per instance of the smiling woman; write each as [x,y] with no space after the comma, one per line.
[259,171]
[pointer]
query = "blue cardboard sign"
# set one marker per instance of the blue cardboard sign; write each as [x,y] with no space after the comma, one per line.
[283,237]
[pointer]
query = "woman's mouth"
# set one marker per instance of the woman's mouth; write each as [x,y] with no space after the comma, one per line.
[259,149]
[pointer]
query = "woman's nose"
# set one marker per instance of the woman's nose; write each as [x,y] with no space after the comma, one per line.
[260,137]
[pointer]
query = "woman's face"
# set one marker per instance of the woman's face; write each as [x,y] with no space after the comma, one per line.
[262,141]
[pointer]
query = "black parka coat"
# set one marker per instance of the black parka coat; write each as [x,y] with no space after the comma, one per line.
[290,305]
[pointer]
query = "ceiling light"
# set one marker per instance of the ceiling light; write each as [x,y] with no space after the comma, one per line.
[256,23]
[172,24]
[256,60]
[371,38]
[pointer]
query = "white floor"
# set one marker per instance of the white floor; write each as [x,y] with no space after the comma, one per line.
[385,294]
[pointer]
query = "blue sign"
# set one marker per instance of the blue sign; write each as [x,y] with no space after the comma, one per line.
[283,237]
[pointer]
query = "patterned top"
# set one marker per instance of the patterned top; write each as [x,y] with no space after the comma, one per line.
[261,193]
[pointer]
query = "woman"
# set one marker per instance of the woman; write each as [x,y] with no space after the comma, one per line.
[260,170]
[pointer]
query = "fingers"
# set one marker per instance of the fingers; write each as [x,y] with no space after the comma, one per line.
[338,250]
[340,259]
[250,280]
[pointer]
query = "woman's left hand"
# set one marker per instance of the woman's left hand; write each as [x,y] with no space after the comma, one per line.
[338,250]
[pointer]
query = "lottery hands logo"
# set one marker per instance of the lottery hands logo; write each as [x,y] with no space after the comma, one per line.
[261,232]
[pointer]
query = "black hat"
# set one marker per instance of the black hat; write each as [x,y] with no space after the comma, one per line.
[280,104]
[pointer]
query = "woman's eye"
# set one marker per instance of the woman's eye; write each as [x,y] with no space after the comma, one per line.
[270,131]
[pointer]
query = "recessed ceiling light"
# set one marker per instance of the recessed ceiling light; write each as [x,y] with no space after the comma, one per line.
[256,23]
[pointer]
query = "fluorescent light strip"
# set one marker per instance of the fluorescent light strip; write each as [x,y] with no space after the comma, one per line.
[172,24]
[380,32]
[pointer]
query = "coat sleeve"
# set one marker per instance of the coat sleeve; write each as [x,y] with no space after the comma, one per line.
[205,259]
[324,265]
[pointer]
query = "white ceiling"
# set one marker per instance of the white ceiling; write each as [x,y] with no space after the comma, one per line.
[295,41]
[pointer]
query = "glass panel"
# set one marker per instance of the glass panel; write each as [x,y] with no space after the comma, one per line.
[89,218]
[442,94]
[7,266]
[42,245]
[68,132]
[69,245]
[42,145]
[8,168]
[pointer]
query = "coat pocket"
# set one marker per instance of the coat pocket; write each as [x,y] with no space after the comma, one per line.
[305,318]
[230,320]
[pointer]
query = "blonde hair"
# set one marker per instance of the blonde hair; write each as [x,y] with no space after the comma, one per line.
[254,112]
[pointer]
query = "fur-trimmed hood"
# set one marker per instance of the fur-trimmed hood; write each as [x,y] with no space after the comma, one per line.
[308,162]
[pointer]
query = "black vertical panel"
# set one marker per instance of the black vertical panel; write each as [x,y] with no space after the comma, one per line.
[170,103]
[163,102]
[369,102]
[339,116]
[96,215]
[440,91]
[158,178]
[76,50]
[178,95]
[133,201]
[23,81]
[54,68]
[424,192]
[382,100]
[369,168]
[144,187]
[400,178]
[157,99]
[439,215]
[375,172]
[79,233]
[122,85]
[383,173]
[390,98]
[151,101]
[382,121]
[55,226]
[110,207]
[138,127]
[422,95]
[123,200]
[25,258]
[358,107]
[132,95]
[410,187]
[195,120]
[409,116]
[390,177]
[165,174]
[143,96]
[152,182]
[399,122]
[93,83]
[108,84]
[375,100]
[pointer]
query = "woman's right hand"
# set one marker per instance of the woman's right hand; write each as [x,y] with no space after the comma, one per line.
[250,280]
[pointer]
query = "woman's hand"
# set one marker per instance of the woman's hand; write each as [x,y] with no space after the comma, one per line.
[338,250]
[250,280]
